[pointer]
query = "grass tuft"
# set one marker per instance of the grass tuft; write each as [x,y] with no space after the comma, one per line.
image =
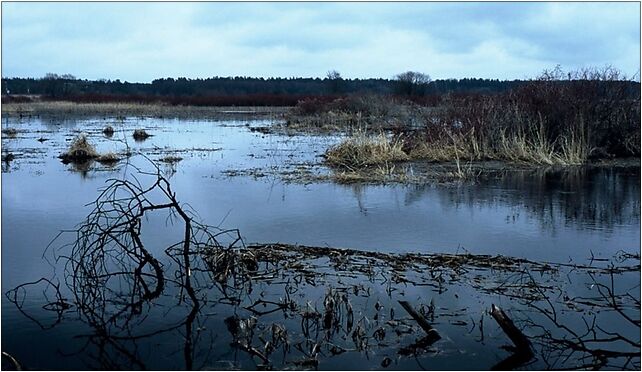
[141,135]
[361,150]
[170,159]
[108,158]
[108,131]
[80,150]
[10,132]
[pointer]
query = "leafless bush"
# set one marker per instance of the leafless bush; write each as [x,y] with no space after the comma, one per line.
[557,118]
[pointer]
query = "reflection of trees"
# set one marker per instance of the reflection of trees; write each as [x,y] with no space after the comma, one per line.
[292,306]
[585,197]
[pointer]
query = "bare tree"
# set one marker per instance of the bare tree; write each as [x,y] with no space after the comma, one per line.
[412,83]
[334,81]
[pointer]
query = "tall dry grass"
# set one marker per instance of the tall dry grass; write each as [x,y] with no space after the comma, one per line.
[67,108]
[557,119]
[530,147]
[362,149]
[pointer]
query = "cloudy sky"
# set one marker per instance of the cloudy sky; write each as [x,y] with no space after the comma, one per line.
[144,41]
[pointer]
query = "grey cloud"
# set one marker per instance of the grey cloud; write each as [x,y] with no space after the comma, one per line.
[142,41]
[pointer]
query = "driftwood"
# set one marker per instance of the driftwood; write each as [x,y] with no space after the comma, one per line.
[515,335]
[423,323]
[431,334]
[523,352]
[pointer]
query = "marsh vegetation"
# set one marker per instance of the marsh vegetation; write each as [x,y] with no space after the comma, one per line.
[496,230]
[557,119]
[63,109]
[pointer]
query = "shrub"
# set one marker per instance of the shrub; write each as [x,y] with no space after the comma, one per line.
[588,114]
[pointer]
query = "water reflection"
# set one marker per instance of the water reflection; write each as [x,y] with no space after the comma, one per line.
[512,212]
[206,300]
[595,198]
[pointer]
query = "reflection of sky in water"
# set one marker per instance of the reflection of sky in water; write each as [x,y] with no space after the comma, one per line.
[541,215]
[538,215]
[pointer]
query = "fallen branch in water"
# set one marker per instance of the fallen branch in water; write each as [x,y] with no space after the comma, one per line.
[423,323]
[523,352]
[431,337]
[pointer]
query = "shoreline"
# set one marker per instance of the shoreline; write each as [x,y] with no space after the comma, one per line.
[407,171]
[414,172]
[59,109]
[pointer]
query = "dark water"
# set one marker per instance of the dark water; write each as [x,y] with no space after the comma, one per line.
[561,216]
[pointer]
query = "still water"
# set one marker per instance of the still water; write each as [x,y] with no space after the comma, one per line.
[558,216]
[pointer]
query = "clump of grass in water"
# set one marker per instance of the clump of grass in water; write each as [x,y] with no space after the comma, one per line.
[8,157]
[141,135]
[108,158]
[108,131]
[361,150]
[170,159]
[80,150]
[10,132]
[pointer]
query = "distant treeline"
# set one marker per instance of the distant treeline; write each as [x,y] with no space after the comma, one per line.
[247,91]
[66,85]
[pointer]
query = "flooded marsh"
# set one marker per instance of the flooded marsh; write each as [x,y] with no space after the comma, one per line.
[222,244]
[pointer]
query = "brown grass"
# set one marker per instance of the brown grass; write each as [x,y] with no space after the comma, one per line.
[114,109]
[10,132]
[140,135]
[532,147]
[80,150]
[108,158]
[362,150]
[170,159]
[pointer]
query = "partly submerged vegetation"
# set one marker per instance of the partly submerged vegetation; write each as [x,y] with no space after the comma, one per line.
[170,159]
[10,132]
[108,158]
[557,119]
[140,134]
[278,306]
[362,150]
[108,131]
[592,114]
[80,150]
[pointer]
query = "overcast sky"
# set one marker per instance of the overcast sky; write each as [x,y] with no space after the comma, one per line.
[144,41]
